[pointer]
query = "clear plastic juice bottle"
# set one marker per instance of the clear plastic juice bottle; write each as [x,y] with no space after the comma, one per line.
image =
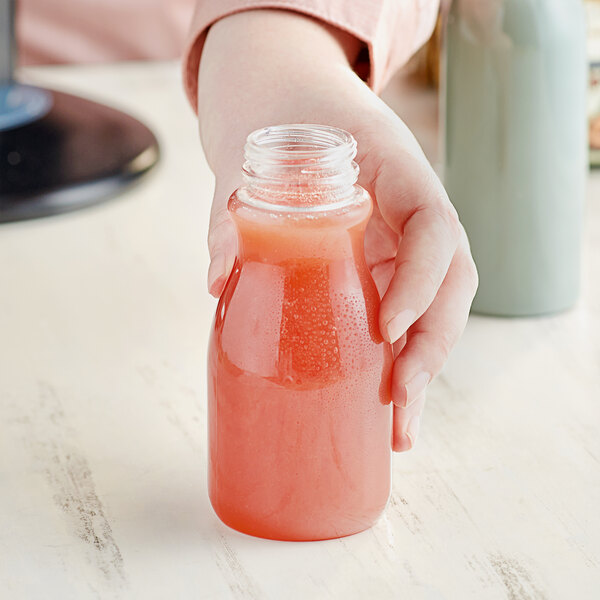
[299,375]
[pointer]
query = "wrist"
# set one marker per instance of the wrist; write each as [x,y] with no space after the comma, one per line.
[283,67]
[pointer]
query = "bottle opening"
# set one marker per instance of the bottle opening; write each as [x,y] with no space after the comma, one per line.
[300,168]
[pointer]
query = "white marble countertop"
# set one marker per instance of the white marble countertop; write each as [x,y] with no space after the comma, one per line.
[103,329]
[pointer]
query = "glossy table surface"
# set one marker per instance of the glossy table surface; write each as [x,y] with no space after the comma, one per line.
[104,320]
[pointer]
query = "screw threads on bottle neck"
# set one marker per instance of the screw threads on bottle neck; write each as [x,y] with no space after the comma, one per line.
[300,168]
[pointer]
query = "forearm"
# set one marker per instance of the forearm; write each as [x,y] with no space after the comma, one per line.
[282,68]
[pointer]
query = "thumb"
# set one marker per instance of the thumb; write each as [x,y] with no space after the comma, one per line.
[222,246]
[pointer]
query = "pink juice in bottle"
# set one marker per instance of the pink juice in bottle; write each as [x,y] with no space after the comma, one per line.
[299,376]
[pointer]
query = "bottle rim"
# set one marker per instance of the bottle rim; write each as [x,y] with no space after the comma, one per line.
[300,141]
[287,166]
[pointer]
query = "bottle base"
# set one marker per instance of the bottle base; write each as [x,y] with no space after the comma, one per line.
[281,532]
[295,537]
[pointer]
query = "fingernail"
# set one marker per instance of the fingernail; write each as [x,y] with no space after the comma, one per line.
[216,272]
[412,431]
[416,386]
[398,325]
[400,441]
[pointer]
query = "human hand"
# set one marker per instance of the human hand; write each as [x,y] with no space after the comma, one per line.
[414,244]
[419,257]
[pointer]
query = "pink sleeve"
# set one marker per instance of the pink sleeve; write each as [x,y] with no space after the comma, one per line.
[391,29]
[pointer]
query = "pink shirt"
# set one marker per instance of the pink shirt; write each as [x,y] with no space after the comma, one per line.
[104,30]
[391,29]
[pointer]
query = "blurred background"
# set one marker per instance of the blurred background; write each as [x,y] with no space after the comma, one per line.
[104,316]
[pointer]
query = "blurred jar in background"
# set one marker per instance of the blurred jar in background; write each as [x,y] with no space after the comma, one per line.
[425,64]
[593,17]
[516,147]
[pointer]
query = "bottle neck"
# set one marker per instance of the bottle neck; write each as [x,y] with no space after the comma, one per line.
[300,198]
[300,168]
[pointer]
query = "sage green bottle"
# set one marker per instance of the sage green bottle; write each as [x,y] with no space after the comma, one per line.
[515,147]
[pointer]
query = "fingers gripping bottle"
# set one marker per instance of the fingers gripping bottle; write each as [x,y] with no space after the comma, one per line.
[298,373]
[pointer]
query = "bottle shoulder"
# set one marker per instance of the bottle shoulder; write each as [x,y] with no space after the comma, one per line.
[308,321]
